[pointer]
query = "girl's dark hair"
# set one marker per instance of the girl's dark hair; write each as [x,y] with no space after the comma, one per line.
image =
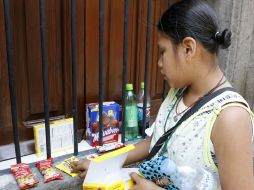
[196,19]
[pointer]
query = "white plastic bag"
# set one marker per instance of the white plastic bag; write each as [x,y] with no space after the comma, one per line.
[188,177]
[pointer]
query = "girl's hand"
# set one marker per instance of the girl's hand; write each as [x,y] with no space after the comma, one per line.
[143,184]
[82,167]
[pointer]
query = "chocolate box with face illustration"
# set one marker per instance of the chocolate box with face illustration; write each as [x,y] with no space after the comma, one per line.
[110,119]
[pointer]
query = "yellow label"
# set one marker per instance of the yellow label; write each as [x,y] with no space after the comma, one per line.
[95,109]
[94,186]
[117,186]
[62,121]
[110,113]
[114,153]
[97,186]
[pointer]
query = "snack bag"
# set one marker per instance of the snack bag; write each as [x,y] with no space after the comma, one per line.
[48,171]
[67,166]
[24,176]
[92,156]
[109,147]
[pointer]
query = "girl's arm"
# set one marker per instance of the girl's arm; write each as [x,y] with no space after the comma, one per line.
[140,152]
[232,139]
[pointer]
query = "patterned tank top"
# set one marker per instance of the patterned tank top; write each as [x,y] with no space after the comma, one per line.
[191,145]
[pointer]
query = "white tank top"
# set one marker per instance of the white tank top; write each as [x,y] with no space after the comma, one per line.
[190,145]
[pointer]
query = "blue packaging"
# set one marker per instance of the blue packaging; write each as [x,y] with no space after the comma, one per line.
[110,118]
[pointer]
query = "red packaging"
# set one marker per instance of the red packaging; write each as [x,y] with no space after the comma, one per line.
[109,147]
[48,171]
[24,176]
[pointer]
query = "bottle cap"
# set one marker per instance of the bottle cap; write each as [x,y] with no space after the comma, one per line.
[129,87]
[142,85]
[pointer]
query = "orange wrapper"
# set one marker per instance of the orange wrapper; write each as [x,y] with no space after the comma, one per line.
[48,171]
[24,176]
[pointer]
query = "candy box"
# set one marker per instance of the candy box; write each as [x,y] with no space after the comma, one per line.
[110,118]
[61,136]
[106,173]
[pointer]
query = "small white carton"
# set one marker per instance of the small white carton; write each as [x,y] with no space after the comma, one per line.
[106,173]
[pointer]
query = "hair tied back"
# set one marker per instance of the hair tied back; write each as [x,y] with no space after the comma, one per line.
[223,38]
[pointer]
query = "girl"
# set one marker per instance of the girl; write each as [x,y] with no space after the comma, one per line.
[218,137]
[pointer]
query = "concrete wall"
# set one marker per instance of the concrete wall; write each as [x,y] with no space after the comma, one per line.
[238,61]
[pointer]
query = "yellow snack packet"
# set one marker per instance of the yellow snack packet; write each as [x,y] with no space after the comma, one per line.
[67,167]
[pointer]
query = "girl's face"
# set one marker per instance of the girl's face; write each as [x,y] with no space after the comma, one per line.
[171,62]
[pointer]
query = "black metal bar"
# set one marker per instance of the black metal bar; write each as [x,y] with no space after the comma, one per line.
[83,136]
[45,76]
[125,59]
[101,28]
[170,3]
[85,90]
[12,85]
[148,33]
[74,75]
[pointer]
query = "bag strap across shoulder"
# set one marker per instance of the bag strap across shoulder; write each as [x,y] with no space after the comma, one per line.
[190,112]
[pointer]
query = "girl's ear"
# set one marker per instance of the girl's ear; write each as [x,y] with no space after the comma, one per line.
[190,46]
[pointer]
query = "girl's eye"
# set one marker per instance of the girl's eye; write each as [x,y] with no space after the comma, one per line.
[162,52]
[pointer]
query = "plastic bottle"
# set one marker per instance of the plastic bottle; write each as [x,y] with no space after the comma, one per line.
[131,114]
[140,108]
[189,178]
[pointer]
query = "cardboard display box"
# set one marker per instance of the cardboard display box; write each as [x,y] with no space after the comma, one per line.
[61,136]
[106,173]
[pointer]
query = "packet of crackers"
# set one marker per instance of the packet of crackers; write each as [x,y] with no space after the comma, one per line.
[67,166]
[48,171]
[91,156]
[109,147]
[24,176]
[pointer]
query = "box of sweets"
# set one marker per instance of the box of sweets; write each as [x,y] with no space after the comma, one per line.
[110,118]
[106,172]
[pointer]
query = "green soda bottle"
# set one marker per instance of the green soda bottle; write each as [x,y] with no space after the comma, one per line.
[131,114]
